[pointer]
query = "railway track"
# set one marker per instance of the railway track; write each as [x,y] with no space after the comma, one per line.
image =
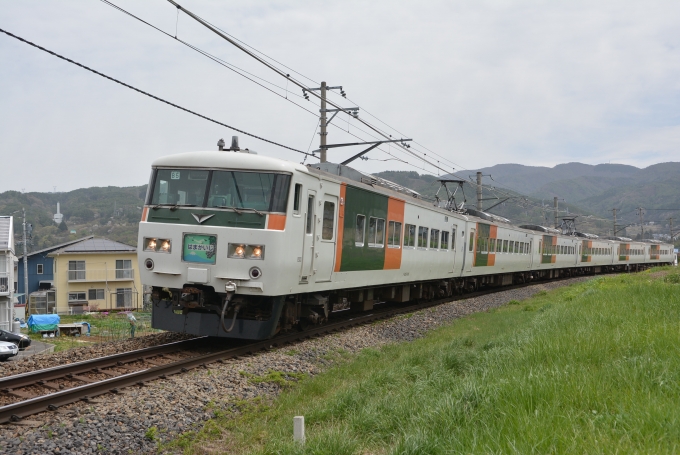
[156,369]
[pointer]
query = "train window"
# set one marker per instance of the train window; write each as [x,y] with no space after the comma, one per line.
[297,199]
[505,246]
[328,225]
[453,239]
[252,190]
[422,236]
[360,230]
[521,248]
[472,240]
[512,246]
[394,234]
[499,245]
[410,235]
[376,232]
[179,187]
[434,239]
[445,240]
[492,245]
[310,214]
[516,247]
[528,249]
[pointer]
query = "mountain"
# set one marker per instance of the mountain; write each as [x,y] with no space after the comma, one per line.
[110,212]
[591,191]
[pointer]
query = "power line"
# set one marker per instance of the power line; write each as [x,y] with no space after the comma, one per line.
[149,94]
[229,66]
[284,74]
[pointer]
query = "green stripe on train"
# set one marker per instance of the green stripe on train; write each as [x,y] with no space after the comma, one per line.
[248,220]
[483,234]
[362,202]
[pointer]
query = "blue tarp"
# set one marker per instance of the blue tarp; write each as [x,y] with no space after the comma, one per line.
[41,322]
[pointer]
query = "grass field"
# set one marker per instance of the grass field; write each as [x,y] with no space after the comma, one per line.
[591,368]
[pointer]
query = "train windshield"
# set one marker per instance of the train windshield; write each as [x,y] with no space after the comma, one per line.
[260,191]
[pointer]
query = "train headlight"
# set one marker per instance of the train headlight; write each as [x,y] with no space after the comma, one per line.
[166,245]
[255,252]
[157,245]
[237,251]
[149,244]
[240,251]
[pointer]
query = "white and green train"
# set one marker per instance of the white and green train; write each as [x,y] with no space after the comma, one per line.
[239,245]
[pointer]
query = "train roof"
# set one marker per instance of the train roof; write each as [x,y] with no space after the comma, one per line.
[243,159]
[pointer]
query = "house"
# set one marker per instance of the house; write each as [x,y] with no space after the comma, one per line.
[40,268]
[96,274]
[8,272]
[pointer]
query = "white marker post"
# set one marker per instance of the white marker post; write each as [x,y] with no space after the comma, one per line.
[299,429]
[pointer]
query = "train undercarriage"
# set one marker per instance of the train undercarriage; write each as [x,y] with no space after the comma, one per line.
[201,310]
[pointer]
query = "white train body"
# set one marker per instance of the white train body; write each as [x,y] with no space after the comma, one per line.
[265,245]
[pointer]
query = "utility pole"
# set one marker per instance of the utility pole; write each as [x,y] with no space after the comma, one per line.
[614,231]
[323,132]
[670,224]
[479,191]
[555,210]
[25,264]
[640,212]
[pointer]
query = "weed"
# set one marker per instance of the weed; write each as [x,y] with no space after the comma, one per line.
[291,352]
[514,302]
[151,434]
[672,278]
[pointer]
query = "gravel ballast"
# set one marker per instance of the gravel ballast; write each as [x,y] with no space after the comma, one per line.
[135,420]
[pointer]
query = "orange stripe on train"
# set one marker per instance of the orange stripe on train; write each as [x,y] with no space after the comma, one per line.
[276,222]
[395,212]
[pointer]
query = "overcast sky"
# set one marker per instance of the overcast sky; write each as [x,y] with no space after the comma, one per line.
[478,83]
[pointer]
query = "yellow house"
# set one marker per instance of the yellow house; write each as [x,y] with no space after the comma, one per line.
[96,274]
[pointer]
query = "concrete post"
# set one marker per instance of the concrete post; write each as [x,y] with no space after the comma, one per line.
[299,429]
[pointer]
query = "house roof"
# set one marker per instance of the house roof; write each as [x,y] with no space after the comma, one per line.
[6,241]
[94,245]
[56,247]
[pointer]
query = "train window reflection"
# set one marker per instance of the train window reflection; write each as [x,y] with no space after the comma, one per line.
[328,220]
[179,187]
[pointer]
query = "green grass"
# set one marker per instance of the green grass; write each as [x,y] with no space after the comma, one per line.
[591,368]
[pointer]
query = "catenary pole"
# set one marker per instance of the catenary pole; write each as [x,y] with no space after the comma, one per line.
[25,264]
[323,133]
[479,191]
[555,210]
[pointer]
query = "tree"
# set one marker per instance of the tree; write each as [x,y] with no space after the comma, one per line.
[63,227]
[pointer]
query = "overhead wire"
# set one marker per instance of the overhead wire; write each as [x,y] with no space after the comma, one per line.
[239,71]
[147,93]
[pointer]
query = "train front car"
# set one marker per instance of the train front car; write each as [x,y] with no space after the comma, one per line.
[212,243]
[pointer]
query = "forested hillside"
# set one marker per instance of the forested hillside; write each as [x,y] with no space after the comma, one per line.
[110,212]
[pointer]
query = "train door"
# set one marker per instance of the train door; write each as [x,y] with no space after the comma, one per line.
[325,238]
[454,244]
[470,250]
[307,266]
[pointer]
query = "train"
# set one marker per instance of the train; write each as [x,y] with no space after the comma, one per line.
[234,244]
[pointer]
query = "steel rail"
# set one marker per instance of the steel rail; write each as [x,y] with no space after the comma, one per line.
[50,402]
[35,377]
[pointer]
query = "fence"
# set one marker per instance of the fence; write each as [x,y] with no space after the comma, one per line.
[104,327]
